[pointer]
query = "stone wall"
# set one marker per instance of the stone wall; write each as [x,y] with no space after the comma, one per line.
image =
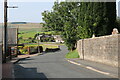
[103,49]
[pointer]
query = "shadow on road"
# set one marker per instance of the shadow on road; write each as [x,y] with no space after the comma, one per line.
[28,73]
[52,50]
[28,58]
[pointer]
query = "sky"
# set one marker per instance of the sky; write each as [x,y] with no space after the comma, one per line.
[27,11]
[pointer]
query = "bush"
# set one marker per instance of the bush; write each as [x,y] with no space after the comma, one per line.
[33,49]
[21,37]
[30,38]
[47,39]
[23,50]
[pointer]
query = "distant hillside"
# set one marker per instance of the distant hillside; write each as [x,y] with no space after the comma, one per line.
[18,22]
[23,25]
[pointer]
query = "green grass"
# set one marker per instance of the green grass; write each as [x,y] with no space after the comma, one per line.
[31,32]
[24,41]
[73,54]
[25,34]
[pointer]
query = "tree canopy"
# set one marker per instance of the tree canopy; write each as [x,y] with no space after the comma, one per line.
[79,20]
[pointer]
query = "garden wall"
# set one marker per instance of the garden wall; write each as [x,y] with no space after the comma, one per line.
[103,49]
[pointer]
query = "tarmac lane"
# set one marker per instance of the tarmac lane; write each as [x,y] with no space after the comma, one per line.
[54,65]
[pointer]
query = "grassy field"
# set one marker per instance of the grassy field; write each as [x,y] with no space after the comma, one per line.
[27,35]
[73,54]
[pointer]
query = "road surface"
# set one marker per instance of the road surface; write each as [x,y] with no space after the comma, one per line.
[52,65]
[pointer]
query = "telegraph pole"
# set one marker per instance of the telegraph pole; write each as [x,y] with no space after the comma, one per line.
[38,41]
[5,45]
[5,32]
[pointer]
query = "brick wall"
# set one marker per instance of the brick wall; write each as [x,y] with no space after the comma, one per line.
[103,49]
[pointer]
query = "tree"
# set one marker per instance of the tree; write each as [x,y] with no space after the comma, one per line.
[79,20]
[67,15]
[118,23]
[95,18]
[84,21]
[52,19]
[62,19]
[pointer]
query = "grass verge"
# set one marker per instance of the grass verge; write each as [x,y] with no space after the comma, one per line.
[73,54]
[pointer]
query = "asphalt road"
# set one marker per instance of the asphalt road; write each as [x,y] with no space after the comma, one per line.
[52,65]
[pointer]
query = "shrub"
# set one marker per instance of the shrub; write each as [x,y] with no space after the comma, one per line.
[33,49]
[30,38]
[21,37]
[23,50]
[47,39]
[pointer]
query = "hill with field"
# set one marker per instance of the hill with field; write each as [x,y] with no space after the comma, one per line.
[23,25]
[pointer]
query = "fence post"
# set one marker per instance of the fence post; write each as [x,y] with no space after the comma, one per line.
[9,49]
[29,50]
[15,51]
[17,40]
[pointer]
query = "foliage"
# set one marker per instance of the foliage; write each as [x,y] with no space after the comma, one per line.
[47,39]
[96,17]
[118,23]
[62,20]
[23,50]
[33,49]
[69,36]
[79,20]
[73,54]
[52,19]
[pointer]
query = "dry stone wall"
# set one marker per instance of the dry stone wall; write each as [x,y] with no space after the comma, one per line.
[105,49]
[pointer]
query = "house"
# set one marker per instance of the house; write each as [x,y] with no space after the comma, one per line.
[58,39]
[41,36]
[38,37]
[45,38]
